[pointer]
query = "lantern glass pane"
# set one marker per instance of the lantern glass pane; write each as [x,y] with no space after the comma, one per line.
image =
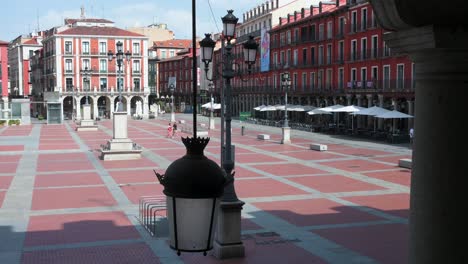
[119,56]
[206,53]
[229,30]
[119,46]
[252,55]
[193,218]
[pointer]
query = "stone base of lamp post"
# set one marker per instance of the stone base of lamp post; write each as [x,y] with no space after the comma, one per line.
[172,117]
[228,243]
[212,123]
[120,147]
[87,124]
[286,135]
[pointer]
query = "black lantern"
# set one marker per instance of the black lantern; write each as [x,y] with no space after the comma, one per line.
[193,185]
[250,51]
[229,25]
[207,46]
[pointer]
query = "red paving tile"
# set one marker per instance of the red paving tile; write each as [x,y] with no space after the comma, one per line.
[312,155]
[402,176]
[255,157]
[170,152]
[384,243]
[134,192]
[2,196]
[288,169]
[48,199]
[23,130]
[67,179]
[57,147]
[361,152]
[5,181]
[245,173]
[115,254]
[113,164]
[394,204]
[11,148]
[59,165]
[315,212]
[8,167]
[334,183]
[134,176]
[9,158]
[259,250]
[264,188]
[63,156]
[357,165]
[77,228]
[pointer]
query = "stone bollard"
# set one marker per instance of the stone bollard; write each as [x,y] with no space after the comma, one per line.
[242,130]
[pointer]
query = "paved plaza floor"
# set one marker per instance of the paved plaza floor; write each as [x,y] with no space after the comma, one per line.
[59,203]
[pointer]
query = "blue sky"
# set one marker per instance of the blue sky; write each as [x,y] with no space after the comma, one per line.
[22,16]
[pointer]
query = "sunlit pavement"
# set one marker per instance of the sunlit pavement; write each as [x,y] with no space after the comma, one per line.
[59,203]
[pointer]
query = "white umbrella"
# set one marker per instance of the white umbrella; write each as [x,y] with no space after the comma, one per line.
[349,109]
[258,108]
[215,106]
[331,108]
[318,112]
[372,111]
[393,114]
[268,108]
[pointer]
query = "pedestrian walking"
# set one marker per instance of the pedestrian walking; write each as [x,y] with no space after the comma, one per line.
[170,131]
[411,136]
[174,129]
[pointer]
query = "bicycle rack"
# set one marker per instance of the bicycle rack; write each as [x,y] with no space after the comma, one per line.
[150,208]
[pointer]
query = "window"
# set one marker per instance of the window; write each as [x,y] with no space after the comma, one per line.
[363,77]
[172,53]
[103,84]
[31,54]
[68,66]
[353,50]
[288,37]
[329,79]
[296,35]
[321,29]
[341,26]
[295,57]
[86,64]
[320,55]
[374,47]
[341,51]
[282,39]
[329,54]
[320,79]
[330,30]
[312,56]
[136,48]
[386,77]
[294,84]
[400,76]
[313,33]
[364,48]
[374,77]
[120,83]
[386,50]
[353,78]
[103,65]
[304,57]
[85,47]
[163,54]
[312,80]
[136,84]
[288,57]
[353,22]
[68,47]
[304,81]
[275,58]
[340,78]
[102,48]
[136,66]
[69,84]
[275,80]
[364,19]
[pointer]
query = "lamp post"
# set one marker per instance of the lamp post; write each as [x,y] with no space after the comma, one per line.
[86,74]
[171,89]
[227,242]
[211,88]
[119,55]
[286,85]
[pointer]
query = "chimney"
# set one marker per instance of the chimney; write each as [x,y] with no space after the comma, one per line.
[263,8]
[280,20]
[311,10]
[295,15]
[288,18]
[302,12]
[337,3]
[268,6]
[277,3]
[243,17]
[82,16]
[320,7]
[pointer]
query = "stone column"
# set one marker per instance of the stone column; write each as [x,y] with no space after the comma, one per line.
[439,171]
[381,104]
[370,119]
[95,108]
[128,106]
[78,108]
[359,118]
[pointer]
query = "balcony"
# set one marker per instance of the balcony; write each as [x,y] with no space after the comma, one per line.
[390,85]
[68,52]
[68,71]
[103,71]
[245,37]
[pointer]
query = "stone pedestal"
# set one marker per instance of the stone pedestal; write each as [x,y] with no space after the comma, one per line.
[20,109]
[212,123]
[286,135]
[228,243]
[87,124]
[120,147]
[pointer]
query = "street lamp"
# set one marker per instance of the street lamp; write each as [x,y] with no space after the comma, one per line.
[211,88]
[171,89]
[228,242]
[87,74]
[286,131]
[119,57]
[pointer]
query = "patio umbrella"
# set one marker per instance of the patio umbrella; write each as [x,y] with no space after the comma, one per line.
[318,112]
[331,108]
[393,115]
[349,109]
[215,106]
[258,108]
[372,111]
[268,108]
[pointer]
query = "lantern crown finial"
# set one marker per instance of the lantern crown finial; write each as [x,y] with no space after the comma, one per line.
[195,146]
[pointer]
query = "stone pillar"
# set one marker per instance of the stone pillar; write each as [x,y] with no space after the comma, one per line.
[349,99]
[370,119]
[381,104]
[359,118]
[410,112]
[5,110]
[128,106]
[145,107]
[78,108]
[95,108]
[438,177]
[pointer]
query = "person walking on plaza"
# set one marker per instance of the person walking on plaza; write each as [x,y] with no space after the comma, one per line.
[170,131]
[174,129]
[411,136]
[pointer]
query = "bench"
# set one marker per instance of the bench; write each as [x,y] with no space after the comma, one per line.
[318,147]
[263,136]
[405,163]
